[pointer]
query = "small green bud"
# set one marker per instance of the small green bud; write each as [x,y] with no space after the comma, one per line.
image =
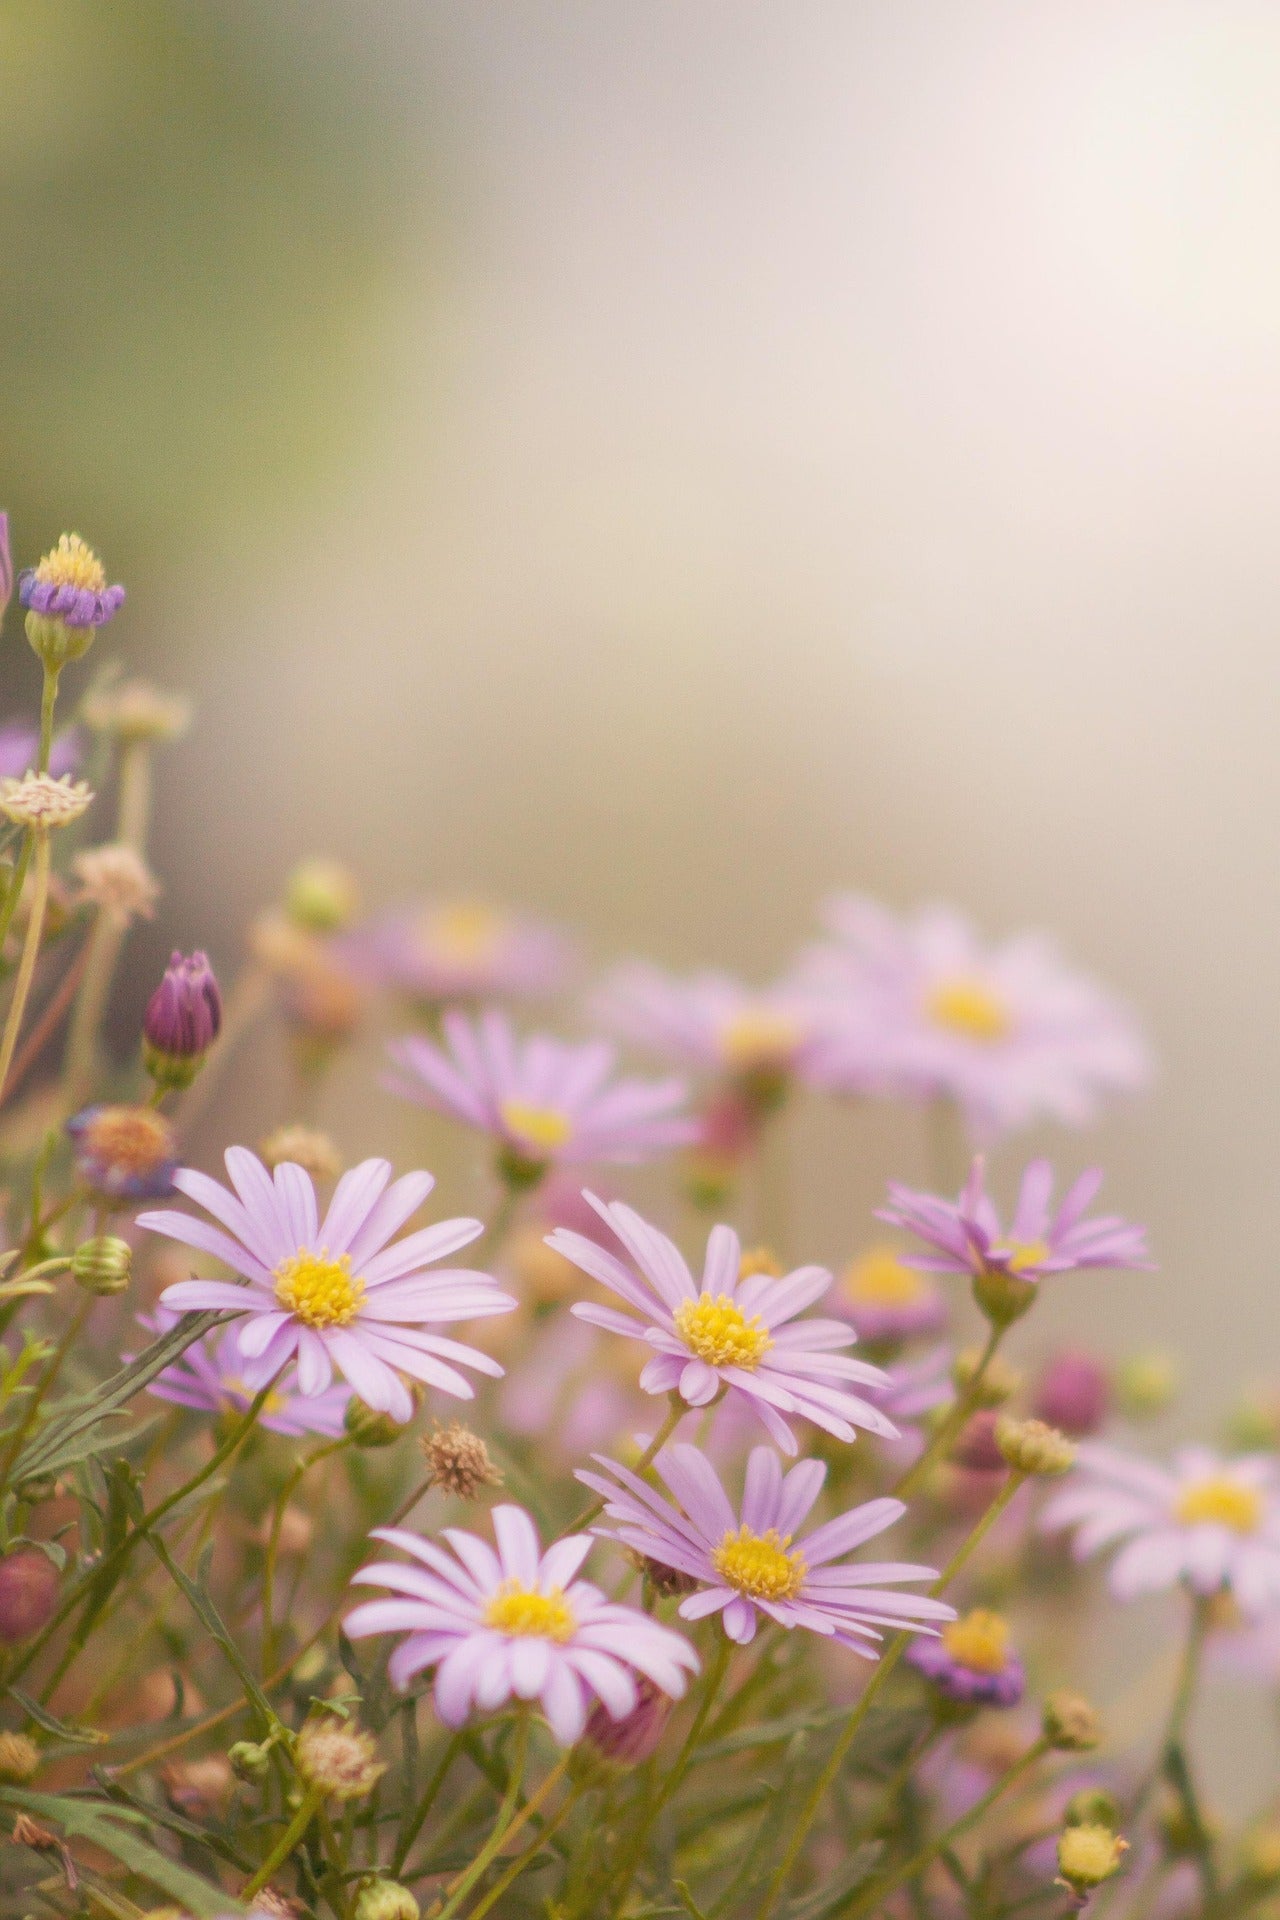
[1092,1807]
[1145,1385]
[368,1428]
[1070,1723]
[379,1899]
[321,896]
[102,1265]
[249,1760]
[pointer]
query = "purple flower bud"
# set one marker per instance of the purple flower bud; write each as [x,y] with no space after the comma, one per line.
[976,1444]
[6,565]
[28,1593]
[630,1741]
[182,1021]
[1074,1394]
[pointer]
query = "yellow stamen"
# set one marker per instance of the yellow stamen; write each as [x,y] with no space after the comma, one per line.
[233,1387]
[758,1037]
[543,1128]
[322,1292]
[968,1006]
[1220,1501]
[465,932]
[72,564]
[715,1329]
[1026,1253]
[980,1641]
[760,1564]
[522,1612]
[880,1278]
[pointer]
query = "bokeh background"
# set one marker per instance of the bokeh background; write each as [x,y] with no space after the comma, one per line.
[656,464]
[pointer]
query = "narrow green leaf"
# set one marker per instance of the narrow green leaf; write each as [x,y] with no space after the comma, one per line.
[113,1828]
[60,1729]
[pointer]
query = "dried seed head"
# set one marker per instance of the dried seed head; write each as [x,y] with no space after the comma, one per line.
[314,1152]
[137,710]
[1029,1446]
[38,800]
[458,1461]
[19,1757]
[117,880]
[337,1759]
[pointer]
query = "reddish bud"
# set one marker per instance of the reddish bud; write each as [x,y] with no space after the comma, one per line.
[28,1593]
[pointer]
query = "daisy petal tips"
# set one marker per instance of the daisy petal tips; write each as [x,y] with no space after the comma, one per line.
[515,1623]
[727,1333]
[338,1295]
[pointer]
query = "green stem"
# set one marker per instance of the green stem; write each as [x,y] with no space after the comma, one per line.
[284,1845]
[283,1498]
[675,1415]
[414,1826]
[509,1822]
[947,1429]
[70,1335]
[531,1852]
[48,699]
[1180,1706]
[30,953]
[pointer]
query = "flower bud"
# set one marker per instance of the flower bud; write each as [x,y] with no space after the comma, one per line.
[1146,1384]
[632,1739]
[1073,1394]
[1003,1296]
[249,1760]
[1029,1446]
[19,1757]
[321,896]
[1088,1855]
[1092,1807]
[379,1899]
[28,1593]
[458,1461]
[999,1382]
[1070,1723]
[336,1759]
[368,1428]
[124,1153]
[102,1265]
[182,1021]
[67,598]
[975,1444]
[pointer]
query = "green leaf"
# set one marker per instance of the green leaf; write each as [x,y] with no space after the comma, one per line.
[835,1890]
[113,1828]
[60,1729]
[212,1621]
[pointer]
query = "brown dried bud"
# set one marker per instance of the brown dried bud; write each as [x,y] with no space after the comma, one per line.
[1029,1446]
[1070,1723]
[458,1461]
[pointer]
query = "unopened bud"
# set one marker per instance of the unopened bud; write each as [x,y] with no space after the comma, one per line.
[321,896]
[28,1593]
[1146,1384]
[19,1757]
[999,1381]
[182,1021]
[102,1265]
[667,1582]
[1029,1446]
[379,1899]
[1003,1296]
[1070,1723]
[368,1428]
[1092,1807]
[975,1444]
[458,1461]
[630,1741]
[338,1760]
[1073,1394]
[1088,1855]
[249,1760]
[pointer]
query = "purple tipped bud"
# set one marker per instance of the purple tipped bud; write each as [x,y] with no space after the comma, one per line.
[6,565]
[1074,1394]
[28,1593]
[182,1021]
[630,1741]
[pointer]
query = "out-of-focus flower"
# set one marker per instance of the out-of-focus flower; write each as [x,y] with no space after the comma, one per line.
[916,1387]
[1204,1521]
[322,896]
[728,1333]
[1074,1393]
[972,1664]
[19,1757]
[516,1623]
[70,585]
[20,748]
[335,1293]
[213,1376]
[319,993]
[1146,1384]
[1088,1855]
[182,1020]
[1032,1448]
[544,1101]
[314,1152]
[134,710]
[1005,1267]
[975,1445]
[459,950]
[1009,1033]
[1070,1723]
[28,1593]
[117,881]
[887,1300]
[38,800]
[124,1153]
[336,1759]
[746,1563]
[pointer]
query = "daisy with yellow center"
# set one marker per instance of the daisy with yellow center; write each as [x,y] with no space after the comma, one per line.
[980,1640]
[465,932]
[523,1613]
[716,1330]
[320,1291]
[1220,1501]
[967,1006]
[72,563]
[761,1565]
[972,1664]
[759,1037]
[888,1300]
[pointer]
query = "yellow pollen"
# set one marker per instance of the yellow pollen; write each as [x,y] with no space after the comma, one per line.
[716,1330]
[968,1006]
[465,932]
[1026,1253]
[980,1641]
[878,1278]
[322,1292]
[760,1564]
[758,1038]
[1220,1501]
[72,564]
[520,1611]
[544,1128]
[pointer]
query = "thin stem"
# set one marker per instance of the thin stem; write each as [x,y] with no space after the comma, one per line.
[507,1823]
[951,1424]
[1180,1705]
[30,953]
[47,1025]
[48,700]
[283,1498]
[675,1415]
[414,1826]
[284,1845]
[531,1852]
[70,1334]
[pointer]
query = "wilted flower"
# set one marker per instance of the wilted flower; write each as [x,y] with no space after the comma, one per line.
[124,1153]
[117,880]
[182,1020]
[213,1376]
[335,1294]
[336,1759]
[971,1663]
[516,1623]
[746,1562]
[729,1332]
[459,950]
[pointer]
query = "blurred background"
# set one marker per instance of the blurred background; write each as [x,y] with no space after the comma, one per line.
[654,465]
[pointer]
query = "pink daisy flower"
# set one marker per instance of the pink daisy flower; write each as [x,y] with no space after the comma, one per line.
[545,1101]
[745,1562]
[1204,1521]
[1010,1032]
[516,1623]
[726,1332]
[967,1236]
[711,1022]
[214,1377]
[335,1293]
[459,950]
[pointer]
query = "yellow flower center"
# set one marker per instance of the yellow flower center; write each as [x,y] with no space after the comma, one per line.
[465,932]
[543,1128]
[1220,1501]
[879,1278]
[715,1329]
[968,1006]
[320,1291]
[72,564]
[980,1641]
[520,1611]
[1025,1253]
[234,1386]
[758,1038]
[760,1564]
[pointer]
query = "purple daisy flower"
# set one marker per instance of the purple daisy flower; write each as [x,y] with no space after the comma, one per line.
[916,1387]
[459,950]
[214,1377]
[516,1623]
[20,749]
[1010,1033]
[746,1563]
[971,1662]
[335,1293]
[70,585]
[968,1238]
[124,1153]
[1205,1521]
[728,1332]
[545,1101]
[711,1022]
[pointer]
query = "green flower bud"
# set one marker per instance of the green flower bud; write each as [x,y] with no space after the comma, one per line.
[369,1428]
[249,1761]
[380,1899]
[102,1265]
